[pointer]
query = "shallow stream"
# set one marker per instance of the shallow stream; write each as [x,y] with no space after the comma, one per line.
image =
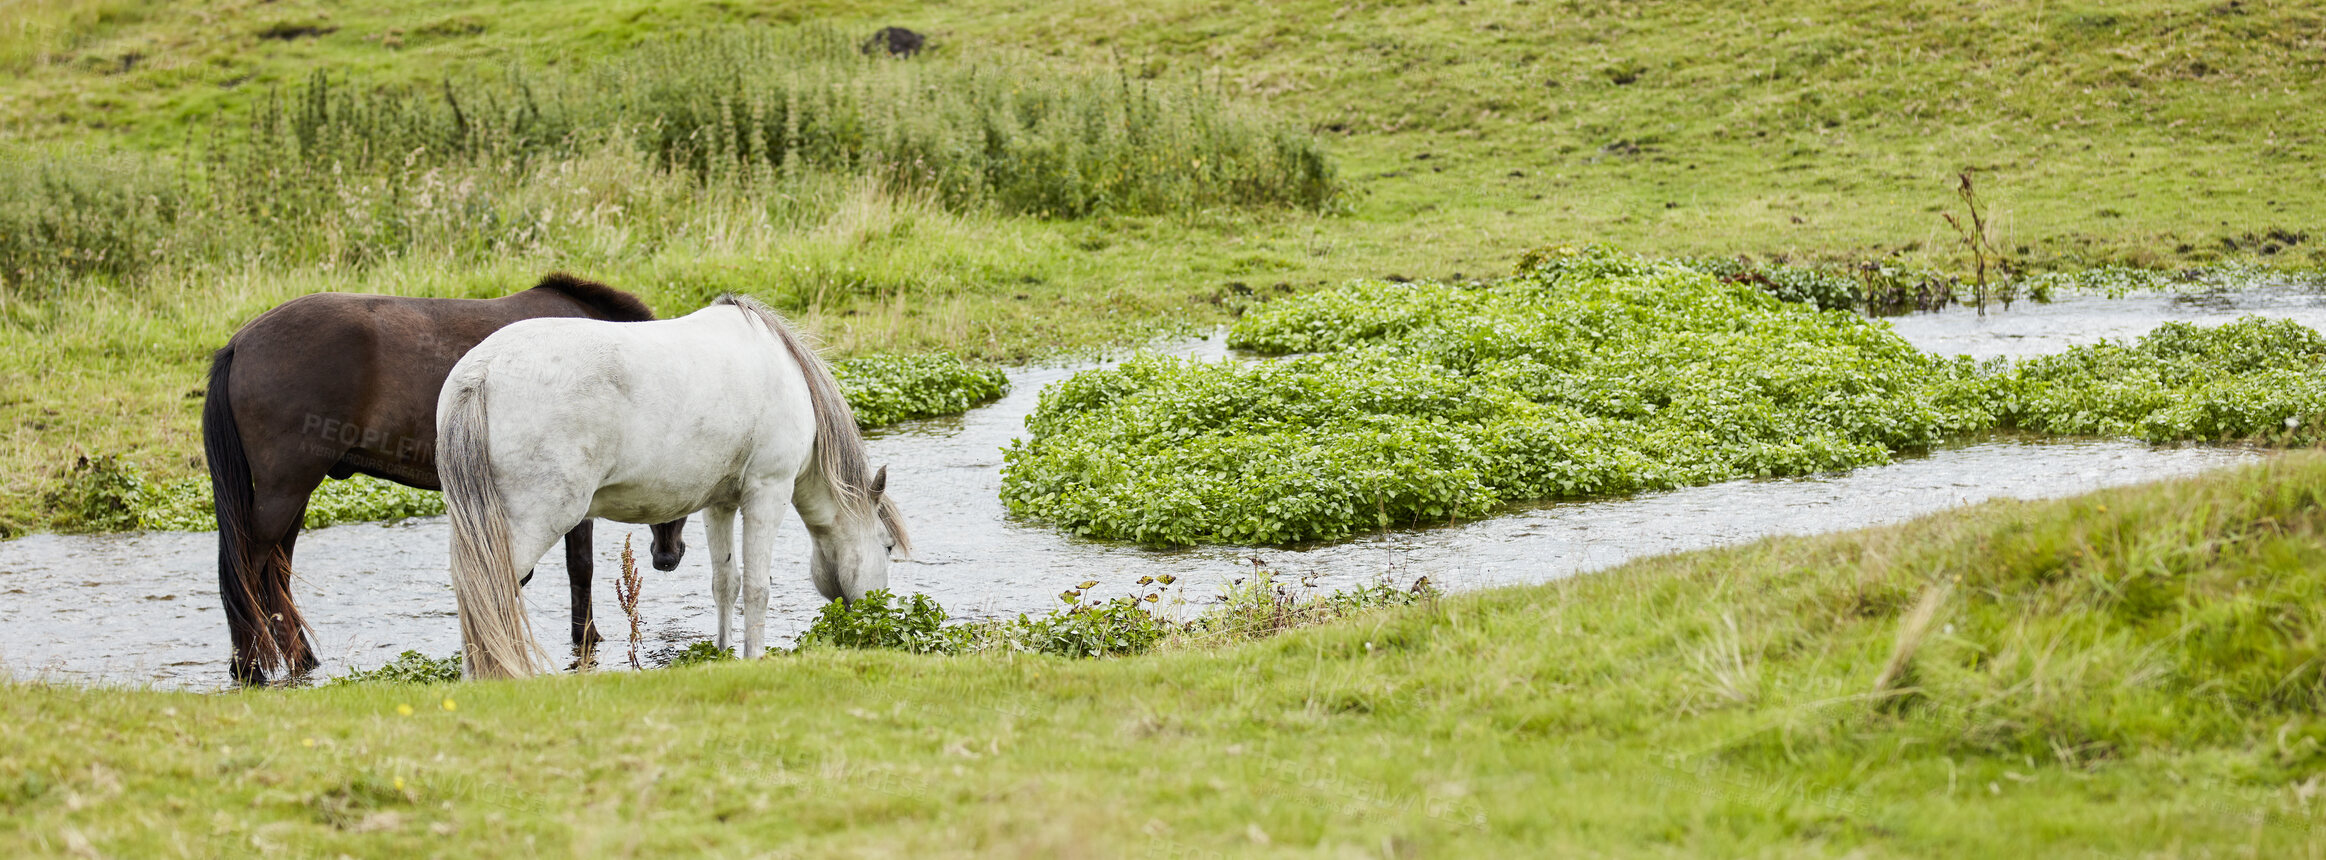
[142,609]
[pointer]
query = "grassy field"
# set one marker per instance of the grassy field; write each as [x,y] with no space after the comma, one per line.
[2127,674]
[2132,673]
[2154,133]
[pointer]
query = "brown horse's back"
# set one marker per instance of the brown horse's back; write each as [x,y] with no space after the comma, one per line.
[338,384]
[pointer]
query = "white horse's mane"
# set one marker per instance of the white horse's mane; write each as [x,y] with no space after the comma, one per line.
[839,447]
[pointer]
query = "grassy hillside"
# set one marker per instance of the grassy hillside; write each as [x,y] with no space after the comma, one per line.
[2156,133]
[2107,128]
[2131,673]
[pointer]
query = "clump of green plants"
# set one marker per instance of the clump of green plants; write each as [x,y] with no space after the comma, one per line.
[882,620]
[885,389]
[186,504]
[1264,603]
[1083,627]
[697,653]
[2254,379]
[100,494]
[410,667]
[1088,626]
[2111,281]
[106,493]
[1793,283]
[1591,372]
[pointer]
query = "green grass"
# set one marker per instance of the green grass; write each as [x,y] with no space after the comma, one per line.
[2130,673]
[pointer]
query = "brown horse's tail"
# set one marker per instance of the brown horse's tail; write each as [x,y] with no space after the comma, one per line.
[264,623]
[496,638]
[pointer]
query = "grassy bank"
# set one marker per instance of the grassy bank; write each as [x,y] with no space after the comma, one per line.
[2129,673]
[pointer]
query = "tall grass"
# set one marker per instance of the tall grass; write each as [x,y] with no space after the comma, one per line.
[675,139]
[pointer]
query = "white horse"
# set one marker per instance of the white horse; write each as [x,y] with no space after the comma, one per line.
[723,409]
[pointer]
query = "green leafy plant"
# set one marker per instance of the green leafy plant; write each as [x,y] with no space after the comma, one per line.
[1264,604]
[1805,284]
[410,667]
[101,493]
[2254,379]
[698,653]
[881,620]
[885,389]
[1115,627]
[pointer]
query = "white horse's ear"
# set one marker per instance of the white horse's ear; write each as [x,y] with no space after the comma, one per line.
[880,480]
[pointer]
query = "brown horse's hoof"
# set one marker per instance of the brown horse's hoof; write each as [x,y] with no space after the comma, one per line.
[249,675]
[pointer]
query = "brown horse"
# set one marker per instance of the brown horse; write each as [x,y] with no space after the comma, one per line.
[337,384]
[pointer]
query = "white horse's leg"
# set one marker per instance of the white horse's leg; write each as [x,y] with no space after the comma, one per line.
[762,512]
[719,526]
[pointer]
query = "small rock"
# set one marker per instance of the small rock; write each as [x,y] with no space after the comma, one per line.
[898,41]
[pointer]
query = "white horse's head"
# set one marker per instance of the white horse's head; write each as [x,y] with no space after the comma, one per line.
[855,559]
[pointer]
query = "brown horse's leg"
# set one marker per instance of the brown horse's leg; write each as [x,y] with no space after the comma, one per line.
[274,530]
[302,653]
[578,569]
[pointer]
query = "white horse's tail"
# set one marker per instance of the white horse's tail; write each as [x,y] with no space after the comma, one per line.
[496,639]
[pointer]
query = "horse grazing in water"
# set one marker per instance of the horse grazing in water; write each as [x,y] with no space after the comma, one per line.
[336,384]
[725,409]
